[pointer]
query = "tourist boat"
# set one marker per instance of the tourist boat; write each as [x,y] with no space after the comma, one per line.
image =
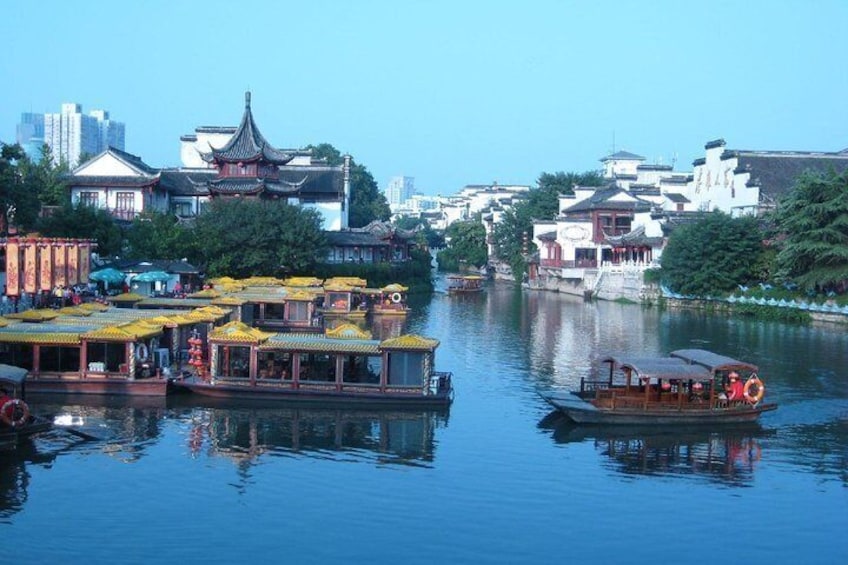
[16,422]
[389,301]
[343,299]
[465,283]
[344,364]
[95,349]
[684,388]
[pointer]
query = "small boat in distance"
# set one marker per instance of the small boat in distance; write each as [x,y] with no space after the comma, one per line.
[16,422]
[691,386]
[465,283]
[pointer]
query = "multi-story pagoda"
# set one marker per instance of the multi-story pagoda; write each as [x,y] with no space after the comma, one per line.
[249,166]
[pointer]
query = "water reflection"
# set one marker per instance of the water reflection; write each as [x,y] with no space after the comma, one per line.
[245,435]
[121,427]
[15,477]
[726,455]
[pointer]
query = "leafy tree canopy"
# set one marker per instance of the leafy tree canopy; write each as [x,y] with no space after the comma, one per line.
[279,239]
[154,235]
[367,203]
[84,222]
[713,255]
[19,190]
[426,234]
[466,246]
[812,221]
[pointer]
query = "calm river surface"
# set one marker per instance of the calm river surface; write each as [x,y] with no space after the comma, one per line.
[497,479]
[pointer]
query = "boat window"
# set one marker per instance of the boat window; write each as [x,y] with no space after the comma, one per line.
[233,361]
[317,367]
[406,368]
[113,356]
[59,359]
[17,354]
[298,311]
[361,369]
[274,311]
[275,365]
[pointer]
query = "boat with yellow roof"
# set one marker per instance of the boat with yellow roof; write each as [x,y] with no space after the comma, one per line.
[343,364]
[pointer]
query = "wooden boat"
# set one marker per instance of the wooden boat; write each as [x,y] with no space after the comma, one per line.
[389,301]
[16,422]
[465,283]
[684,388]
[342,365]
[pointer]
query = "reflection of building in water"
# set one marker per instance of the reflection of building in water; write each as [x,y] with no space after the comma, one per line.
[402,437]
[728,456]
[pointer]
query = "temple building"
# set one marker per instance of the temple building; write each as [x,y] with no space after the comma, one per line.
[219,162]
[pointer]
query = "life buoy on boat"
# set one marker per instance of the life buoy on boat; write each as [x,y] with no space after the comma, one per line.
[754,390]
[8,410]
[396,297]
[141,352]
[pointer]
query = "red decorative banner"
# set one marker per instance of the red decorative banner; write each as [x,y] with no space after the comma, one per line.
[84,262]
[59,277]
[13,274]
[30,266]
[73,264]
[45,259]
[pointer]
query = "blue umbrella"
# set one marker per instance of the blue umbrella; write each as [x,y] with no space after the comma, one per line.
[152,276]
[107,275]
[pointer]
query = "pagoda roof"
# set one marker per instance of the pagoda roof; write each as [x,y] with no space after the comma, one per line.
[248,144]
[231,185]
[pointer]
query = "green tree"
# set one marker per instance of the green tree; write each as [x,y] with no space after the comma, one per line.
[84,222]
[279,239]
[431,238]
[466,246]
[19,204]
[367,203]
[154,235]
[713,255]
[48,176]
[812,221]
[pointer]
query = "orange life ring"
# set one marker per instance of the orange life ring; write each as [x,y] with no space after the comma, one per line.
[7,413]
[755,396]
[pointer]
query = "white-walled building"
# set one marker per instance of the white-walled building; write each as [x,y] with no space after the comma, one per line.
[244,165]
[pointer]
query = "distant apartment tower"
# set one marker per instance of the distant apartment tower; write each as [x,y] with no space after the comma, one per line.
[71,133]
[399,190]
[29,134]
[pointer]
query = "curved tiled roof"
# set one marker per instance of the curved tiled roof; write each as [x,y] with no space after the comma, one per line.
[248,144]
[411,342]
[238,332]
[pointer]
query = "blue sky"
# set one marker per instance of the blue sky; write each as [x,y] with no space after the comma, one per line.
[451,93]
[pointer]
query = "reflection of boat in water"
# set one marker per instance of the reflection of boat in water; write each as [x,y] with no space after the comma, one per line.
[248,432]
[682,389]
[725,453]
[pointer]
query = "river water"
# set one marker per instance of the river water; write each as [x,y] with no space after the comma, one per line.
[496,479]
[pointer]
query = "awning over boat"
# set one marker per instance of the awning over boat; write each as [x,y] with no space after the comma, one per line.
[713,361]
[661,368]
[12,374]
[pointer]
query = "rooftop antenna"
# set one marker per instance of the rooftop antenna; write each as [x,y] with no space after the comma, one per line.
[673,159]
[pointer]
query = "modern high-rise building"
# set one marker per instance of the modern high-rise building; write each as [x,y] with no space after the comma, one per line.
[399,190]
[70,133]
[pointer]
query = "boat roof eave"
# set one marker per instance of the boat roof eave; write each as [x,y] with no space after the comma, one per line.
[712,361]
